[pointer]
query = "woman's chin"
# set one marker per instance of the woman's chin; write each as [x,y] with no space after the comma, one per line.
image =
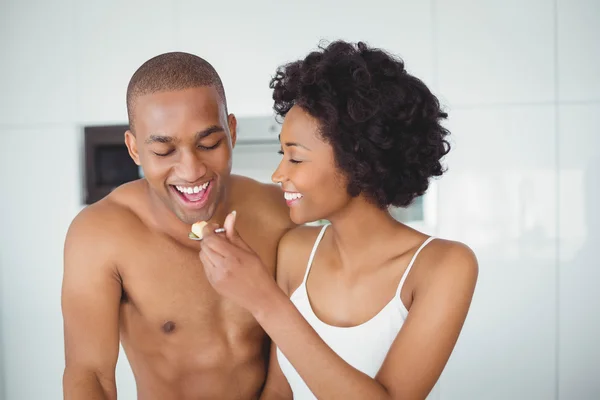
[297,221]
[302,219]
[297,217]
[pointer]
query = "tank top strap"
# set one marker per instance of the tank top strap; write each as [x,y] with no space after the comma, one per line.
[412,261]
[313,252]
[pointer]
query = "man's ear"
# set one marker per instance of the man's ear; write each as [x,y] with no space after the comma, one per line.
[232,122]
[131,143]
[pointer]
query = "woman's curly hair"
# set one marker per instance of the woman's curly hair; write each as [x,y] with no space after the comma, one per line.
[382,123]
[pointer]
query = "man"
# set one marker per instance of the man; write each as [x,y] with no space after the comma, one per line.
[132,274]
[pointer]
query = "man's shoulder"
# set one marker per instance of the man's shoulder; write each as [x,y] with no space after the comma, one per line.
[106,220]
[264,201]
[253,189]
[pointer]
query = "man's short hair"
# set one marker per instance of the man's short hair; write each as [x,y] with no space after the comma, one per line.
[170,72]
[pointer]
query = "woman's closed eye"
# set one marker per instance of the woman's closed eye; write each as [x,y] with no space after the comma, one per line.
[291,159]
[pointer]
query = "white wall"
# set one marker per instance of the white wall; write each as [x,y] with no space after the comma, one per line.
[521,83]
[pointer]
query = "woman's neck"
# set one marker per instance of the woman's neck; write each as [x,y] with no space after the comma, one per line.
[361,230]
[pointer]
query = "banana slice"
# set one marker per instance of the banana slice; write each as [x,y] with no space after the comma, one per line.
[197,229]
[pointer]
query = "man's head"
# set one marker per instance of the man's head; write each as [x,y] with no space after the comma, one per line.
[180,133]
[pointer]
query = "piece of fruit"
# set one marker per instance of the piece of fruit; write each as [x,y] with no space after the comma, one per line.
[197,229]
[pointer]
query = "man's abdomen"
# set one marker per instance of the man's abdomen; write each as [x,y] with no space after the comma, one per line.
[208,364]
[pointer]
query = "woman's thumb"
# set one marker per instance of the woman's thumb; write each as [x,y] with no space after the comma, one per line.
[229,225]
[232,233]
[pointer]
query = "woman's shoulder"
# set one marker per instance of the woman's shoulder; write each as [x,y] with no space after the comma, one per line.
[446,253]
[293,254]
[302,235]
[446,262]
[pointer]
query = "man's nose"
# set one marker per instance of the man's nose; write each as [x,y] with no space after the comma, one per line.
[191,167]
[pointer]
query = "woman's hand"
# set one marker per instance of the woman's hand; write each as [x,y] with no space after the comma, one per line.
[233,269]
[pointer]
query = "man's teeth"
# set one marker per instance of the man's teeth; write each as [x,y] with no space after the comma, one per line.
[292,196]
[192,189]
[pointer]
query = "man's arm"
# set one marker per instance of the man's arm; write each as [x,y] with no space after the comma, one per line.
[276,386]
[91,293]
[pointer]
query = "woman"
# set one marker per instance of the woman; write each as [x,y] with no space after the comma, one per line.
[364,307]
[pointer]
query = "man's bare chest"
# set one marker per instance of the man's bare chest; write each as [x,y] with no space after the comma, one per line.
[165,290]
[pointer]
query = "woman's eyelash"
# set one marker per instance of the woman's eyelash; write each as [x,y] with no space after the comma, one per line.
[291,160]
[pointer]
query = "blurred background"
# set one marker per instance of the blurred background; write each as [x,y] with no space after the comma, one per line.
[519,78]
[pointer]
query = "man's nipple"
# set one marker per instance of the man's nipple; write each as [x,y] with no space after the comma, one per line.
[168,327]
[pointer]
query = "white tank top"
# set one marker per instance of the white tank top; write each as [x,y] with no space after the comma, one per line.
[363,346]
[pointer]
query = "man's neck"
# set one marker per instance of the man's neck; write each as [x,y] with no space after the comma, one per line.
[165,221]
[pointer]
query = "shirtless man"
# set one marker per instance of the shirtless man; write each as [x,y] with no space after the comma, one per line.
[131,273]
